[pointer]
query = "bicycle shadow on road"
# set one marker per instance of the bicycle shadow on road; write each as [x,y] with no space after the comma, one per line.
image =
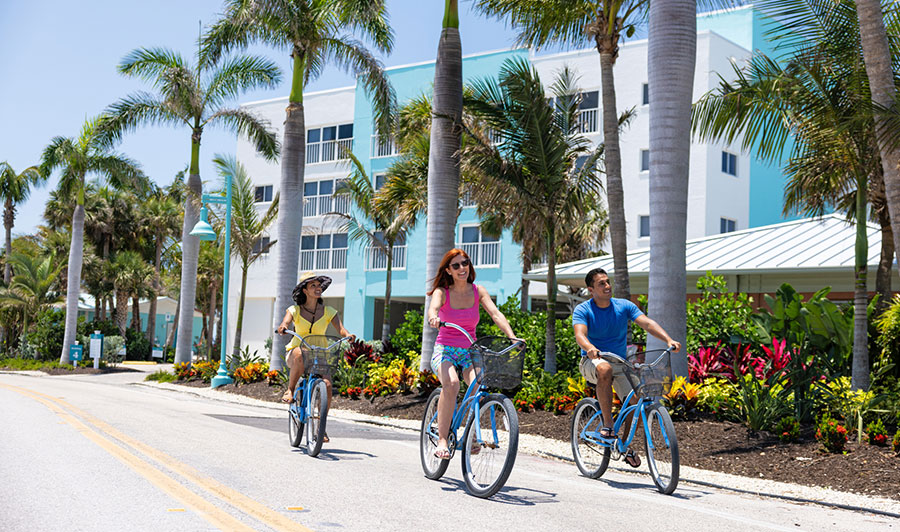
[645,486]
[338,455]
[510,495]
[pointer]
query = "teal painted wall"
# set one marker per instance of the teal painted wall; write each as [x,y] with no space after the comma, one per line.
[747,27]
[364,287]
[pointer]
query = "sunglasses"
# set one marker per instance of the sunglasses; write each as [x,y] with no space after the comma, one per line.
[461,264]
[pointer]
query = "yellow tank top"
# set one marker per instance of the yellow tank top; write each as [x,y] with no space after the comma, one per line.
[304,328]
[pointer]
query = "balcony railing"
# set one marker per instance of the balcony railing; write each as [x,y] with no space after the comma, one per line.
[328,150]
[482,253]
[466,200]
[321,205]
[587,121]
[323,259]
[383,149]
[376,259]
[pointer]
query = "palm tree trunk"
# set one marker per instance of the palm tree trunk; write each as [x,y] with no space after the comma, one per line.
[612,158]
[443,160]
[97,300]
[151,312]
[550,348]
[240,314]
[672,56]
[121,311]
[73,286]
[102,315]
[290,220]
[190,251]
[386,321]
[9,215]
[883,275]
[859,379]
[136,313]
[877,56]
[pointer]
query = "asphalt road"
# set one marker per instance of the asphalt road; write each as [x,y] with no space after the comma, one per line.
[100,453]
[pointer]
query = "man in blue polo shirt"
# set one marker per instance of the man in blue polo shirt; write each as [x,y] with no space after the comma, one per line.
[601,326]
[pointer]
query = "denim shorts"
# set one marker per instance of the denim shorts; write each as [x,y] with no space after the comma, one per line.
[458,356]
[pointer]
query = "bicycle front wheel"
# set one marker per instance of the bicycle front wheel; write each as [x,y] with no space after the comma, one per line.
[591,458]
[433,466]
[295,420]
[662,449]
[318,412]
[489,445]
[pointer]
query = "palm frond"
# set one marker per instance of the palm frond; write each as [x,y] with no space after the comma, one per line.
[253,127]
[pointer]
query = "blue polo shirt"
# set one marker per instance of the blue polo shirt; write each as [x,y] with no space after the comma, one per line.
[607,327]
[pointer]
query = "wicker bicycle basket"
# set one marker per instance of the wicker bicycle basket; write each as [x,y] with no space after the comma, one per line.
[651,381]
[322,355]
[493,369]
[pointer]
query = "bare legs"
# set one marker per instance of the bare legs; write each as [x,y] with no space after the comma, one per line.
[605,394]
[295,362]
[447,401]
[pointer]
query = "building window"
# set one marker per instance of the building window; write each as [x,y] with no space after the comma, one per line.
[376,258]
[726,225]
[645,160]
[484,250]
[263,194]
[379,181]
[729,163]
[644,223]
[587,111]
[323,252]
[330,143]
[261,246]
[319,198]
[645,94]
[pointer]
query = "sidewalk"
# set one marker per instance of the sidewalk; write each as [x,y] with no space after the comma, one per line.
[559,450]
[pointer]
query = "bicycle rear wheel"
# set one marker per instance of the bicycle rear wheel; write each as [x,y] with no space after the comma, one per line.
[591,458]
[295,415]
[488,459]
[318,412]
[662,449]
[433,466]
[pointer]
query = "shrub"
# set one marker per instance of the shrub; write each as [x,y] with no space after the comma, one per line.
[408,336]
[831,434]
[427,381]
[161,376]
[682,397]
[719,397]
[360,350]
[45,335]
[888,326]
[206,369]
[352,392]
[717,315]
[245,358]
[895,443]
[706,363]
[184,371]
[788,429]
[30,364]
[762,402]
[138,347]
[854,407]
[277,377]
[396,377]
[254,372]
[876,433]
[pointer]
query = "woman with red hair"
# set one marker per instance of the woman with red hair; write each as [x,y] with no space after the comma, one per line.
[455,298]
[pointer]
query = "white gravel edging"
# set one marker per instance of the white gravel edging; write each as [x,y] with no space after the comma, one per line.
[549,448]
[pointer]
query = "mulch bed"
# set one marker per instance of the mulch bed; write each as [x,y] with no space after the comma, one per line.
[703,443]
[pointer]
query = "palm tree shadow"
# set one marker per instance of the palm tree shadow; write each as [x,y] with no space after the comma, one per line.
[510,495]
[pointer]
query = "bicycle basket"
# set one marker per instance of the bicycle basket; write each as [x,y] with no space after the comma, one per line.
[493,369]
[651,381]
[322,355]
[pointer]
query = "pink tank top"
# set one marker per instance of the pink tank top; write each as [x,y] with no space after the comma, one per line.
[467,318]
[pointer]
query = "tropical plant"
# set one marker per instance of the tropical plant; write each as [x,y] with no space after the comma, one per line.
[247,228]
[161,219]
[876,433]
[831,434]
[15,189]
[888,325]
[210,277]
[315,33]
[130,274]
[544,165]
[788,429]
[89,153]
[762,402]
[33,286]
[195,96]
[718,315]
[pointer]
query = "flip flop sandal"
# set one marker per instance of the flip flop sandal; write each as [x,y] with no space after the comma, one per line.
[632,459]
[607,433]
[325,438]
[442,453]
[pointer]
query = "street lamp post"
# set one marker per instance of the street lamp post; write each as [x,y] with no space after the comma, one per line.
[204,231]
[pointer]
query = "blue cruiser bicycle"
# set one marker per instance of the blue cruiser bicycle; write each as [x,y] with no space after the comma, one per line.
[309,405]
[491,436]
[650,380]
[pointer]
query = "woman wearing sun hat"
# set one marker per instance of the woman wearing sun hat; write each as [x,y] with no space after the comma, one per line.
[310,317]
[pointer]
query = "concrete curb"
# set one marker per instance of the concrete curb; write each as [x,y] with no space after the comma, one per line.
[559,450]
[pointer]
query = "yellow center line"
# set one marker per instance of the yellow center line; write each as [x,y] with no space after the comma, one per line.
[216,516]
[240,501]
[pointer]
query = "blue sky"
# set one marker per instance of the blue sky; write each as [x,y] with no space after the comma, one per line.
[58,64]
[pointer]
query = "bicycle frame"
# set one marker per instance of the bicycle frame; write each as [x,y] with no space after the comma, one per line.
[304,386]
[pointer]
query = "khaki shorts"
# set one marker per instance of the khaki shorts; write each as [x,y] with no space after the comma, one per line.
[621,384]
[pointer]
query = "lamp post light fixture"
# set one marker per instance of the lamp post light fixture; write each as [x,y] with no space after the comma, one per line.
[204,231]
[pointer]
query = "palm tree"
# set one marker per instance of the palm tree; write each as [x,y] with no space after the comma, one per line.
[89,153]
[34,286]
[210,276]
[443,158]
[877,56]
[315,33]
[161,218]
[195,96]
[14,189]
[544,165]
[602,24]
[382,225]
[672,47]
[247,229]
[129,273]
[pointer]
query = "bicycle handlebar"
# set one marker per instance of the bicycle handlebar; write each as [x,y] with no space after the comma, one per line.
[520,344]
[292,333]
